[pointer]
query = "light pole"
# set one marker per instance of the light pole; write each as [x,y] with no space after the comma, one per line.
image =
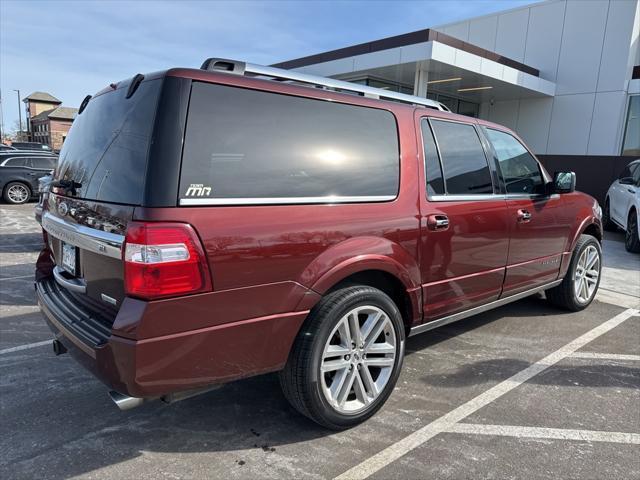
[1,120]
[19,113]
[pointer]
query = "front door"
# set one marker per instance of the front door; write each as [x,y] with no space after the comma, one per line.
[464,240]
[539,223]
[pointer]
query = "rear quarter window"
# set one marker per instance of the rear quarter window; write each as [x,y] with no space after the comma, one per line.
[245,145]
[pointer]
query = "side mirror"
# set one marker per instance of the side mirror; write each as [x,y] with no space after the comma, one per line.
[626,181]
[564,182]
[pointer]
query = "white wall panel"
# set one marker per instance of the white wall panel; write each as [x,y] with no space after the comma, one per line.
[581,46]
[511,37]
[377,59]
[482,32]
[607,123]
[533,122]
[543,38]
[505,113]
[617,41]
[458,30]
[570,123]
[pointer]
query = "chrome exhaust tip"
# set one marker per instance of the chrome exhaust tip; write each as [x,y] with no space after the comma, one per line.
[125,402]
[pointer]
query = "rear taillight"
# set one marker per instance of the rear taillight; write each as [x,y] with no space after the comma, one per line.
[163,260]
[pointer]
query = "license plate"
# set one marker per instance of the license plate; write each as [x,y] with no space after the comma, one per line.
[69,258]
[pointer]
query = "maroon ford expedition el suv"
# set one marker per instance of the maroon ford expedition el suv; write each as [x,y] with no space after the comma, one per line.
[209,225]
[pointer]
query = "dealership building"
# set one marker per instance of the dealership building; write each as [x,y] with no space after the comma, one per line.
[564,74]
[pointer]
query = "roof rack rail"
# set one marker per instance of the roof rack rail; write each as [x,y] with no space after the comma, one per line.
[242,68]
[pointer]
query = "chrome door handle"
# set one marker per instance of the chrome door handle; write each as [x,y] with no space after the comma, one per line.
[76,285]
[631,190]
[438,222]
[524,216]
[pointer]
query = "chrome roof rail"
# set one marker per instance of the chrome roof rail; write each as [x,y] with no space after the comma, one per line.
[242,68]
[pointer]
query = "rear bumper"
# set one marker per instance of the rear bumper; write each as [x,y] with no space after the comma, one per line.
[157,366]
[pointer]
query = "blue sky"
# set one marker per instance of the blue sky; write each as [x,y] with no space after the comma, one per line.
[72,48]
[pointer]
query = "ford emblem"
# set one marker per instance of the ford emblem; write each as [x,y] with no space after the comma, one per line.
[63,209]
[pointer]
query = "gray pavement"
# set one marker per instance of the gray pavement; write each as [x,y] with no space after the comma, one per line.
[525,391]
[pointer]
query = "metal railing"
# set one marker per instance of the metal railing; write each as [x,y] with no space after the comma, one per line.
[243,68]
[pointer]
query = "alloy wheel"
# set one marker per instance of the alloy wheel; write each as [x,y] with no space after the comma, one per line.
[18,193]
[587,274]
[358,359]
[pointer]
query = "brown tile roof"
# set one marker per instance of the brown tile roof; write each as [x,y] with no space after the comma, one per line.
[42,97]
[61,113]
[65,113]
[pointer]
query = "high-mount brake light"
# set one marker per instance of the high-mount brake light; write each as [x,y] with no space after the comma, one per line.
[163,260]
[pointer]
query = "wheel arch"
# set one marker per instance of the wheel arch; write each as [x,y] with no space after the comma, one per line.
[375,262]
[406,301]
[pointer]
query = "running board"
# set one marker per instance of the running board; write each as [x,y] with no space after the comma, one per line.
[425,327]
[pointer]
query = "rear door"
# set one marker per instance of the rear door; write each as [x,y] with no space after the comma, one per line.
[464,239]
[539,223]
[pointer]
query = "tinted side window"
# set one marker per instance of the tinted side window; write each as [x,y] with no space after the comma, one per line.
[435,184]
[466,171]
[246,144]
[42,162]
[16,162]
[520,171]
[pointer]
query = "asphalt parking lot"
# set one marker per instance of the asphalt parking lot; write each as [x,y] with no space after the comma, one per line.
[525,391]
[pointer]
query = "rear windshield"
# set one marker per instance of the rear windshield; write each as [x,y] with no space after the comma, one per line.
[106,149]
[244,145]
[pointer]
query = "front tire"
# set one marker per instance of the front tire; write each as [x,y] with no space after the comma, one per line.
[16,193]
[346,359]
[631,236]
[581,282]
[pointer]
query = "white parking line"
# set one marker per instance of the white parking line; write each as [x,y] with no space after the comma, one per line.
[555,433]
[605,356]
[25,347]
[21,276]
[12,245]
[446,422]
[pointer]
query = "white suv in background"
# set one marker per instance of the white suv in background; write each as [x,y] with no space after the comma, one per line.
[622,205]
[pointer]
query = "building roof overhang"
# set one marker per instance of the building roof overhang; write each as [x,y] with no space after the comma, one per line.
[479,78]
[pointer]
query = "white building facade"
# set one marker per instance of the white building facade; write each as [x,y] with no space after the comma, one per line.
[564,74]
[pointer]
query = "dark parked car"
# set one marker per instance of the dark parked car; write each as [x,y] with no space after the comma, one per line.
[209,225]
[41,147]
[20,172]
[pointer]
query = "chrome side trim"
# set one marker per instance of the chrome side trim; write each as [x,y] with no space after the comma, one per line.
[87,238]
[76,285]
[286,200]
[425,327]
[483,197]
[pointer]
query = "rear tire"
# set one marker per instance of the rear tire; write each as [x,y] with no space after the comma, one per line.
[339,374]
[581,282]
[631,236]
[16,193]
[607,223]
